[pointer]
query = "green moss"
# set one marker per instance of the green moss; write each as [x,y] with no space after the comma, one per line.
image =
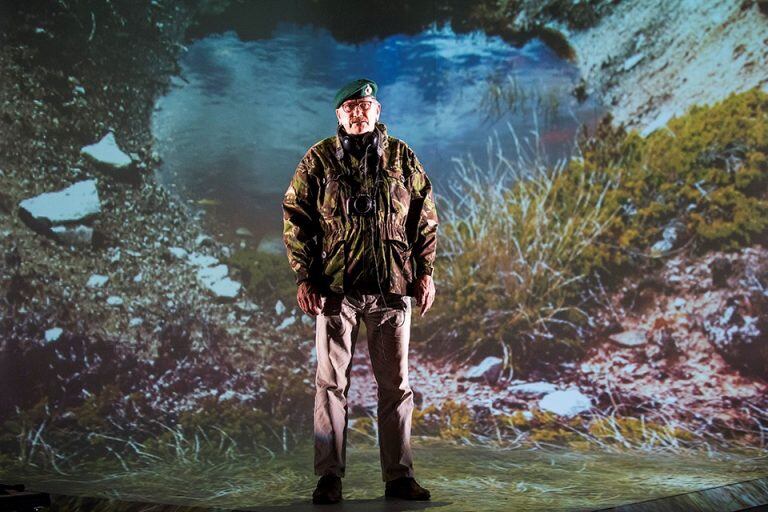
[267,277]
[452,421]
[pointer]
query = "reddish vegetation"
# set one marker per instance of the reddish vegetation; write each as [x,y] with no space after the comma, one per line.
[687,363]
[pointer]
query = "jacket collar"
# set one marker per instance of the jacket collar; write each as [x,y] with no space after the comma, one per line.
[382,149]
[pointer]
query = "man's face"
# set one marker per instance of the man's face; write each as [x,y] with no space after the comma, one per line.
[354,117]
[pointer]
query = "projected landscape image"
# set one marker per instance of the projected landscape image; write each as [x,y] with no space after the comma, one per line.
[600,170]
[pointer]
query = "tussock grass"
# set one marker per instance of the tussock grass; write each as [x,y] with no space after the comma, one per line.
[510,243]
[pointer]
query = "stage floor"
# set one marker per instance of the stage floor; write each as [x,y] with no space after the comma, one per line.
[460,478]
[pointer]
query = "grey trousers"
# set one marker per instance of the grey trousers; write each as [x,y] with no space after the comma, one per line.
[388,330]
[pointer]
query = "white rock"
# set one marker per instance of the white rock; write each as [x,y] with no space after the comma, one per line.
[53,334]
[567,402]
[138,277]
[135,321]
[178,252]
[279,307]
[96,281]
[79,235]
[632,61]
[215,279]
[679,302]
[107,152]
[287,322]
[489,369]
[202,260]
[114,300]
[202,239]
[533,388]
[633,338]
[71,204]
[306,319]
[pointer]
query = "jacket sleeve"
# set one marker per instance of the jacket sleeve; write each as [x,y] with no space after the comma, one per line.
[301,227]
[424,216]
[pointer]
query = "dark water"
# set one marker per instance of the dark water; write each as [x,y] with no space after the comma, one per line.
[242,114]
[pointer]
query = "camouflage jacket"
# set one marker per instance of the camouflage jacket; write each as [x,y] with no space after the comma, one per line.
[330,246]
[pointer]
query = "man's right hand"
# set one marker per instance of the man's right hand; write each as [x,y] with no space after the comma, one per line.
[309,299]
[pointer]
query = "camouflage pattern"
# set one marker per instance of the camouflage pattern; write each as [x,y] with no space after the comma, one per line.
[332,247]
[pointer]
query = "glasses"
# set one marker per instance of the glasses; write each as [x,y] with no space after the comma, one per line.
[365,106]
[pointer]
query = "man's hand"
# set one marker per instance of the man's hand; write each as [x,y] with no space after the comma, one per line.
[425,293]
[309,299]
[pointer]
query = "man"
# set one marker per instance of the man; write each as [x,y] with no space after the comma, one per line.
[360,229]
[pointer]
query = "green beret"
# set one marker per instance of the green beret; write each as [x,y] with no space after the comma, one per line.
[355,89]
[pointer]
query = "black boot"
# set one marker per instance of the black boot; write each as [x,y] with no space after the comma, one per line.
[405,488]
[328,490]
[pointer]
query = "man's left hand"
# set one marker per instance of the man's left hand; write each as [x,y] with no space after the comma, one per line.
[425,293]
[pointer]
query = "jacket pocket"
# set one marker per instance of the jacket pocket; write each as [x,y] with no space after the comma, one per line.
[399,195]
[330,198]
[399,252]
[333,253]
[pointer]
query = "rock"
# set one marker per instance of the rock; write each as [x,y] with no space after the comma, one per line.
[79,236]
[738,333]
[215,280]
[279,307]
[488,370]
[287,322]
[244,232]
[96,281]
[634,338]
[135,321]
[670,238]
[201,260]
[632,61]
[568,402]
[106,152]
[114,300]
[53,334]
[178,252]
[203,241]
[721,269]
[76,203]
[533,388]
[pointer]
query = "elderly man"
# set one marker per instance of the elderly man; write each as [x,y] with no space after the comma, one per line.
[360,229]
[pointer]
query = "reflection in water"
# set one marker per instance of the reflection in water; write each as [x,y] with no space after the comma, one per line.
[243,114]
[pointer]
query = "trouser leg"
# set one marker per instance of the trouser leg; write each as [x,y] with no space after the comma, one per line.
[388,338]
[336,331]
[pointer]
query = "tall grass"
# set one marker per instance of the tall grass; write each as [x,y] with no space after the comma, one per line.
[510,245]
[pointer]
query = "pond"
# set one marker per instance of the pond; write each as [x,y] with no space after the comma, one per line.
[234,125]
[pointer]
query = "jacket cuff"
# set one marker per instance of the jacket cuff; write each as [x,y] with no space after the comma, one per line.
[424,270]
[301,276]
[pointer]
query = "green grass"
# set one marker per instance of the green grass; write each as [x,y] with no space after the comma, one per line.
[491,478]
